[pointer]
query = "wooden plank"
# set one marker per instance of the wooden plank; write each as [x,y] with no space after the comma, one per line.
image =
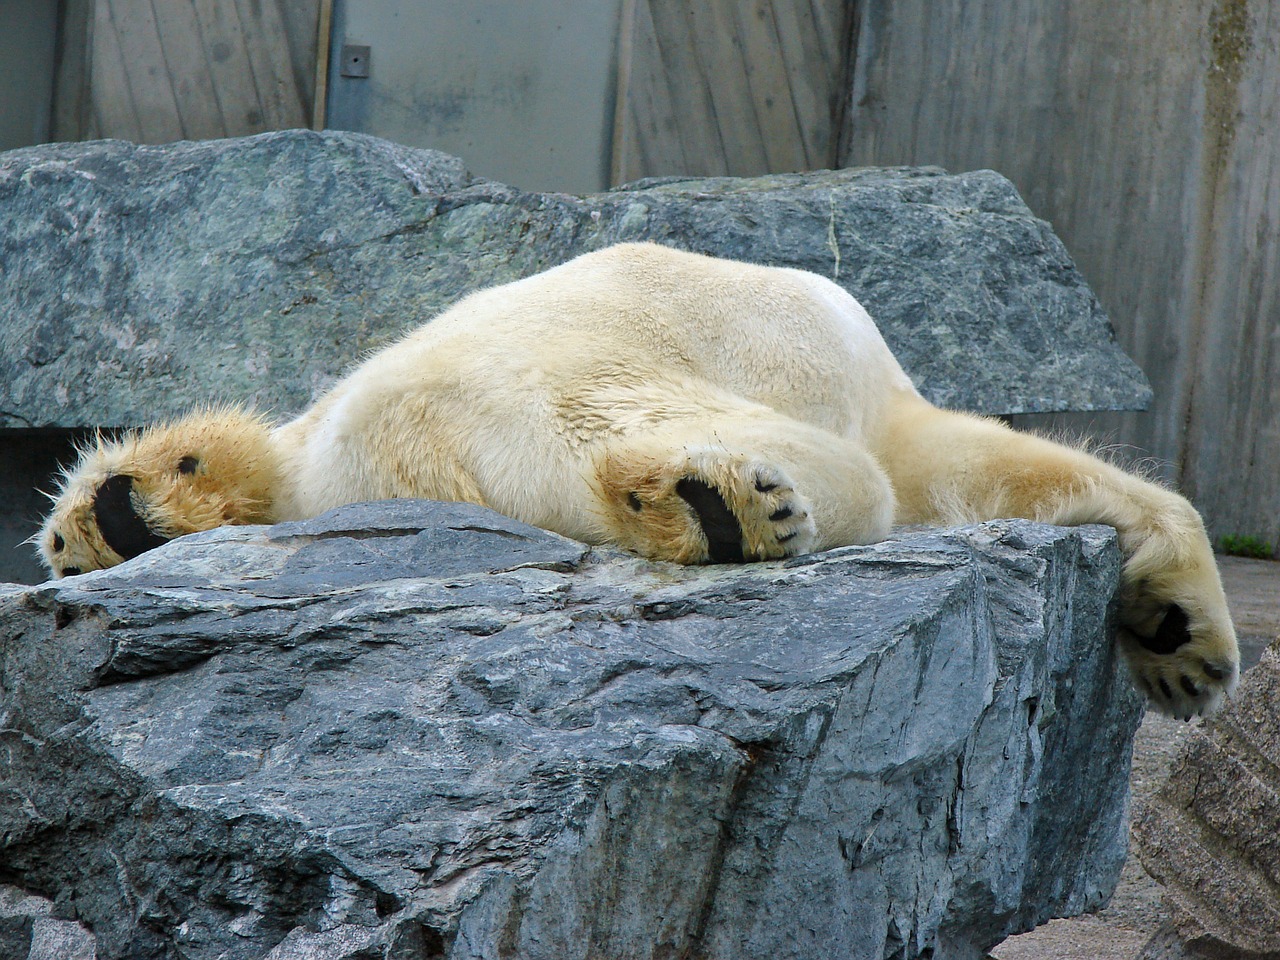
[620,146]
[829,20]
[777,124]
[223,37]
[263,33]
[320,50]
[166,69]
[1232,445]
[112,110]
[1154,150]
[653,145]
[693,108]
[816,52]
[72,103]
[722,68]
[125,36]
[186,61]
[727,87]
[302,22]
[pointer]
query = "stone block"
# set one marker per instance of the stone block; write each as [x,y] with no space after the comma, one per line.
[422,730]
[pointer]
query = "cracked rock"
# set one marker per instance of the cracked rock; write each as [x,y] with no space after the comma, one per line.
[140,281]
[414,730]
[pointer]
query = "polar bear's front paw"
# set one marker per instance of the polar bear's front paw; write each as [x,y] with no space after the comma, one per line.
[707,505]
[1185,663]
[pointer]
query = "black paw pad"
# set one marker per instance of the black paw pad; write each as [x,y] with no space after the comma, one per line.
[1213,671]
[719,525]
[123,530]
[1172,633]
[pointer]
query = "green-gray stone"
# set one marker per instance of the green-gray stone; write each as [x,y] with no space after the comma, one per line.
[139,281]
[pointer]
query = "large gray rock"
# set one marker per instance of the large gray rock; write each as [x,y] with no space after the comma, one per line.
[140,281]
[418,730]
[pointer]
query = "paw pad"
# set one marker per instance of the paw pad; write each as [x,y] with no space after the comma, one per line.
[719,525]
[1173,632]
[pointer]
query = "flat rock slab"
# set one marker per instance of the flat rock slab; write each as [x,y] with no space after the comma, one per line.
[140,281]
[1211,833]
[421,730]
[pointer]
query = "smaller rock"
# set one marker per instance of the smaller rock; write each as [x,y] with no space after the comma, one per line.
[1211,832]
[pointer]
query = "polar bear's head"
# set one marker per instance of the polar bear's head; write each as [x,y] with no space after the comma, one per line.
[125,496]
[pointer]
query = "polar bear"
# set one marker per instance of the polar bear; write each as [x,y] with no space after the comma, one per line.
[688,408]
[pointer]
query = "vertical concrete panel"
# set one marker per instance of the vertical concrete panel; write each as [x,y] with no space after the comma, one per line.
[1146,133]
[26,71]
[1232,445]
[523,92]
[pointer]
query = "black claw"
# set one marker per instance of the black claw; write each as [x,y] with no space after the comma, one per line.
[780,514]
[764,486]
[1192,690]
[1165,689]
[634,501]
[1213,671]
[1172,633]
[719,525]
[789,536]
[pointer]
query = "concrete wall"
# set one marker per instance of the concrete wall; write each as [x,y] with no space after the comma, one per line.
[523,92]
[1148,134]
[28,29]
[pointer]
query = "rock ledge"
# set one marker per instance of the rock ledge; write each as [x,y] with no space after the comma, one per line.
[419,730]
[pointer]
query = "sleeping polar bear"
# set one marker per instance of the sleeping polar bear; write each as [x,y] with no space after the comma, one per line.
[687,408]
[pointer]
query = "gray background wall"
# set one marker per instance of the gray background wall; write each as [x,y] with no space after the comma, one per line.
[524,90]
[28,31]
[1148,134]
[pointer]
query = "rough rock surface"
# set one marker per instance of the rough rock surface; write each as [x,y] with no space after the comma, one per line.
[30,931]
[139,281]
[1211,834]
[413,730]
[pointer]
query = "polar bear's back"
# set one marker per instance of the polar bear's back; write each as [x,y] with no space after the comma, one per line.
[505,398]
[786,338]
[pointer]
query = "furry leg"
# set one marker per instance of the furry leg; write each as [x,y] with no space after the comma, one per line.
[1176,630]
[739,490]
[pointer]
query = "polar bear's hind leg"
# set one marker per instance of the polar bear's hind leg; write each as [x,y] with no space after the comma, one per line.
[1176,630]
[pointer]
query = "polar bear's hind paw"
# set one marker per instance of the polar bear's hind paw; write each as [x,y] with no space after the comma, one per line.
[750,511]
[777,518]
[719,525]
[1183,670]
[705,505]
